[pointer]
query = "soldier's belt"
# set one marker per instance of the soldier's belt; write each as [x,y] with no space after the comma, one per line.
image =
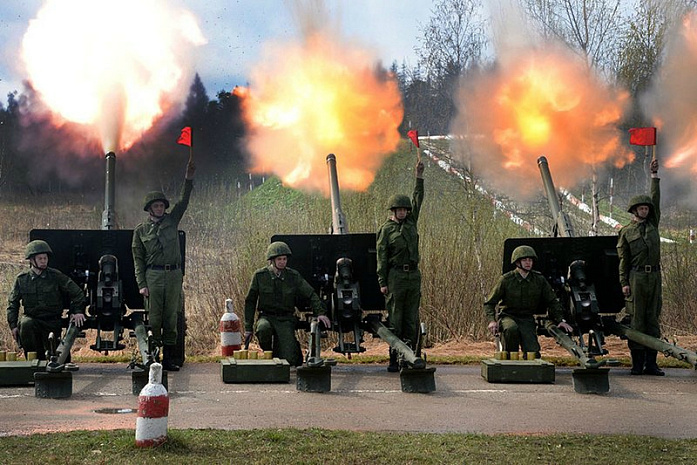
[406,267]
[647,268]
[163,267]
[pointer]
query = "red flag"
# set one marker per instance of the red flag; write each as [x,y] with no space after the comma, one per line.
[414,136]
[185,137]
[642,136]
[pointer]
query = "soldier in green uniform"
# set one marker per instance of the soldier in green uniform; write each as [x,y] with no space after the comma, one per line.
[639,250]
[275,291]
[42,291]
[158,265]
[398,265]
[519,295]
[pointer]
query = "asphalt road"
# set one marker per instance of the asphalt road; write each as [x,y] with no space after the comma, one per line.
[367,398]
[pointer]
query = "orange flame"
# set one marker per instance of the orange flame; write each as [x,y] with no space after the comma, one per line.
[541,103]
[672,102]
[115,66]
[321,97]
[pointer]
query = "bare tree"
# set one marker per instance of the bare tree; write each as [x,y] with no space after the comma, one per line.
[590,27]
[643,41]
[452,43]
[453,39]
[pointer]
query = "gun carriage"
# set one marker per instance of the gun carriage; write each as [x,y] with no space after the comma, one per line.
[101,263]
[584,272]
[342,268]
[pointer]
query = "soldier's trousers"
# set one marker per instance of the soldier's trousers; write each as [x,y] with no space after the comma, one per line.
[33,332]
[164,303]
[645,303]
[277,333]
[519,332]
[402,302]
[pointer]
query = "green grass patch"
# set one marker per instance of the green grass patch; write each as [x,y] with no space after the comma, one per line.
[319,446]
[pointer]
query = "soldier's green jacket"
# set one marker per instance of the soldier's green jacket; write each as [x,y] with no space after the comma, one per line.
[158,243]
[278,295]
[43,296]
[637,249]
[398,243]
[523,297]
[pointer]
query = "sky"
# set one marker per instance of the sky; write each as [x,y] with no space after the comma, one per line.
[236,31]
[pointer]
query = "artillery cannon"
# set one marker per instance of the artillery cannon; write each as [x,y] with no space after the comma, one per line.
[584,272]
[342,268]
[101,263]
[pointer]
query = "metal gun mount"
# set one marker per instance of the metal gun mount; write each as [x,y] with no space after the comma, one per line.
[342,268]
[584,272]
[101,263]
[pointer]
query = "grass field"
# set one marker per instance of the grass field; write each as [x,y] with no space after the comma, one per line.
[316,446]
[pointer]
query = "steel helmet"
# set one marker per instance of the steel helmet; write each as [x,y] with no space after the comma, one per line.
[37,247]
[152,197]
[637,200]
[523,251]
[399,201]
[276,249]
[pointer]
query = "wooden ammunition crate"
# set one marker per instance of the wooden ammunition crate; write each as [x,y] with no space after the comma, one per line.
[20,372]
[276,370]
[517,371]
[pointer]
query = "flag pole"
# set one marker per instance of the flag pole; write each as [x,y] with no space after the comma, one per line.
[191,147]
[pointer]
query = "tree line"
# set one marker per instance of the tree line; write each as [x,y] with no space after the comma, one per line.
[622,42]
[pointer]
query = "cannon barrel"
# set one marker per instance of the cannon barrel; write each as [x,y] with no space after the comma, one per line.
[339,225]
[562,224]
[108,220]
[668,349]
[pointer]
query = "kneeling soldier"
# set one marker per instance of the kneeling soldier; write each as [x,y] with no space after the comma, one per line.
[274,291]
[519,295]
[42,292]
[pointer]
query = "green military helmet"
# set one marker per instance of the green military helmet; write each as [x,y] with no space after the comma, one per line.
[36,247]
[399,201]
[521,252]
[637,200]
[276,249]
[152,197]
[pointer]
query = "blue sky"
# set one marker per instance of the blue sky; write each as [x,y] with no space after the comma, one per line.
[237,29]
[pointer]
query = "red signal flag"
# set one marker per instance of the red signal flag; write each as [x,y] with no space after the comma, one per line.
[414,136]
[185,137]
[642,136]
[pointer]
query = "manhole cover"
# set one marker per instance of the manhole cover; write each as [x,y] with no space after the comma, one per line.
[115,410]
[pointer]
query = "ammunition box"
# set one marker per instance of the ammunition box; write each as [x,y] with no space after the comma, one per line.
[20,373]
[276,370]
[517,371]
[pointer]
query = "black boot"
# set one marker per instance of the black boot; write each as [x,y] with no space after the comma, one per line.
[638,359]
[167,356]
[651,365]
[393,367]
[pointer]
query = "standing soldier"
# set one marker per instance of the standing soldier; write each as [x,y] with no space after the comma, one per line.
[398,265]
[158,265]
[275,291]
[42,291]
[639,250]
[519,295]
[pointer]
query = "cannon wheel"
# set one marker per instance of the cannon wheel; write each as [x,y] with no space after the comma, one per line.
[180,347]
